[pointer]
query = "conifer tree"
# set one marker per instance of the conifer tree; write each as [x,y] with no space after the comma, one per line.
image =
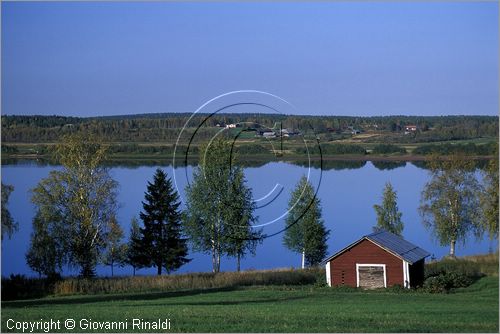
[134,251]
[162,243]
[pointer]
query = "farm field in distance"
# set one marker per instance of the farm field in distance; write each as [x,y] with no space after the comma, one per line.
[280,309]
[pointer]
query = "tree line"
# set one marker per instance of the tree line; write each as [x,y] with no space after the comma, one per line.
[75,222]
[167,126]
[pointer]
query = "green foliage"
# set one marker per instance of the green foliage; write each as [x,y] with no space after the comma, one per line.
[219,214]
[252,149]
[134,251]
[166,127]
[450,205]
[388,215]
[388,149]
[333,149]
[305,231]
[115,253]
[162,243]
[79,200]
[9,226]
[9,149]
[47,252]
[21,287]
[449,149]
[446,281]
[489,197]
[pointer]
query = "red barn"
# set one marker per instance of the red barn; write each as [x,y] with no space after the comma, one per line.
[377,260]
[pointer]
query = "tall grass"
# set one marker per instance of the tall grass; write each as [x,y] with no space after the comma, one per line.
[471,266]
[487,264]
[71,286]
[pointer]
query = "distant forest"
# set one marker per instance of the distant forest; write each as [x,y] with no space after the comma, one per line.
[166,127]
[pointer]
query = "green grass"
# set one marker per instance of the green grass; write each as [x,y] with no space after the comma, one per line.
[280,309]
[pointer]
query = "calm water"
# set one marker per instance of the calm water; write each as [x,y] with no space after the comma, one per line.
[347,192]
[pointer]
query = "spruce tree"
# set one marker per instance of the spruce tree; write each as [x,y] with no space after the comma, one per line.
[134,249]
[305,231]
[162,241]
[388,215]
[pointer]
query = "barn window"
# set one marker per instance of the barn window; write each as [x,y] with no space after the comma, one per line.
[343,277]
[371,276]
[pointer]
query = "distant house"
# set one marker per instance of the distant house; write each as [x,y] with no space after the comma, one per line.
[352,130]
[284,133]
[410,128]
[377,260]
[232,126]
[268,134]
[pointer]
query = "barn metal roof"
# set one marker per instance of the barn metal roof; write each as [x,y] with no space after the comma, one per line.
[392,243]
[405,249]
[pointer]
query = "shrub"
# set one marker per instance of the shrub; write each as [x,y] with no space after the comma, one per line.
[459,266]
[252,149]
[333,149]
[446,281]
[388,149]
[448,274]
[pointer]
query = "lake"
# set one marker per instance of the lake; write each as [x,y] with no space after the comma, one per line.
[347,190]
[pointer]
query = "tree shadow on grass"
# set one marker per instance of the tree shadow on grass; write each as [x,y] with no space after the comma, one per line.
[79,299]
[226,302]
[144,296]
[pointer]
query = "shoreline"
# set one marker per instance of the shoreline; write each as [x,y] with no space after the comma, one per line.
[265,158]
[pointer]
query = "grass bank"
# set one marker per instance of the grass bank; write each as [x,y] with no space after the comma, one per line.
[278,309]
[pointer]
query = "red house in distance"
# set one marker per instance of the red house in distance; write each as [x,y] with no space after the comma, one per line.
[377,260]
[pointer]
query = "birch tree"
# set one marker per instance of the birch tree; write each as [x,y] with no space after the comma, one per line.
[9,226]
[388,215]
[450,202]
[80,198]
[305,230]
[219,213]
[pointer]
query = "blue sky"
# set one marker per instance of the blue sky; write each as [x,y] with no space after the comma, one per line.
[88,59]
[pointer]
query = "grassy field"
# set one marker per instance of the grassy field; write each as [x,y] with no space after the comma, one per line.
[279,309]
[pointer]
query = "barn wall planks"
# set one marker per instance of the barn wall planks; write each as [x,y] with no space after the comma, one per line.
[343,267]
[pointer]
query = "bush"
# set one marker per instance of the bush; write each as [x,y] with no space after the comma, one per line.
[388,149]
[252,149]
[334,149]
[450,273]
[20,287]
[446,281]
[447,149]
[460,266]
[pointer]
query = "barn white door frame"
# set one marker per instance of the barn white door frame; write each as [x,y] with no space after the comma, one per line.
[406,274]
[328,274]
[358,265]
